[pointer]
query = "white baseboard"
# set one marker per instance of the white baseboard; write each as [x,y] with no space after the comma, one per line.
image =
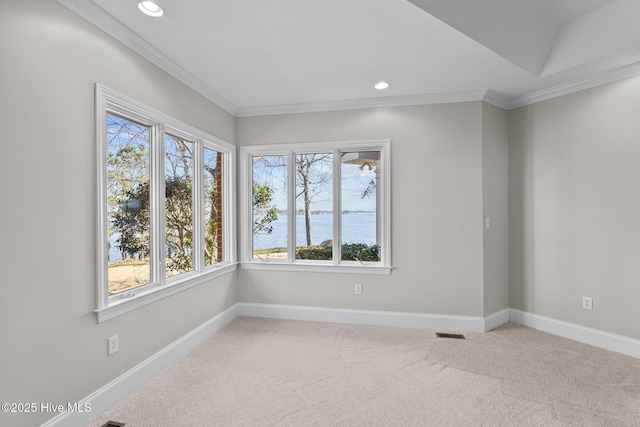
[116,390]
[496,319]
[371,317]
[595,337]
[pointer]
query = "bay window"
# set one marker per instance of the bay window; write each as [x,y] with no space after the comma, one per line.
[165,197]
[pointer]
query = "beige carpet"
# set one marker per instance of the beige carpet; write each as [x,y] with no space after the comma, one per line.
[262,372]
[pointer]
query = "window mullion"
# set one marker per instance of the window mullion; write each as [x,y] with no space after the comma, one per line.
[291,206]
[337,207]
[246,185]
[157,206]
[228,210]
[198,206]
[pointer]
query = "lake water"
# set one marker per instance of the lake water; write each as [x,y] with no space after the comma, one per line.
[357,227]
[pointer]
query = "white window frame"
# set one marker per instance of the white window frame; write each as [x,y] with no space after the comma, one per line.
[336,264]
[109,101]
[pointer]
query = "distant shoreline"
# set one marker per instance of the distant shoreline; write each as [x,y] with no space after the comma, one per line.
[344,212]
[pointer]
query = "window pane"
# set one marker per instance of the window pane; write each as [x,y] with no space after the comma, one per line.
[127,204]
[212,207]
[269,199]
[360,206]
[178,169]
[314,206]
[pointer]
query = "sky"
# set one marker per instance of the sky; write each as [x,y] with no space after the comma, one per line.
[354,183]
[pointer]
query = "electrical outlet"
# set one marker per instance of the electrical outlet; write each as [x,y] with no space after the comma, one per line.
[587,303]
[113,345]
[358,289]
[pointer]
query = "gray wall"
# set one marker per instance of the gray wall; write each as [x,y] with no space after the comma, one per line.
[52,349]
[436,203]
[495,148]
[574,207]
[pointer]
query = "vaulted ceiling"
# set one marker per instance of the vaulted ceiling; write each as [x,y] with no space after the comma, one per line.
[276,56]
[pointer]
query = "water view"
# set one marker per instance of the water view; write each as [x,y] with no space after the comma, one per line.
[357,227]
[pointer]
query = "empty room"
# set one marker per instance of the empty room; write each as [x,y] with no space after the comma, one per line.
[329,213]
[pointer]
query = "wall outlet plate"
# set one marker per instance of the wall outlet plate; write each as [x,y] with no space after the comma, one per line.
[114,346]
[587,303]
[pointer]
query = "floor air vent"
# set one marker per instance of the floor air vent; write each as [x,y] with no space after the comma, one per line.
[444,335]
[112,424]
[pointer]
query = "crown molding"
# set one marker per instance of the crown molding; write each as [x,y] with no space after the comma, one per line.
[101,19]
[98,17]
[624,72]
[355,104]
[494,98]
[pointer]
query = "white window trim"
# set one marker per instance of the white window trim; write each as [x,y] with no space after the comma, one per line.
[336,265]
[109,307]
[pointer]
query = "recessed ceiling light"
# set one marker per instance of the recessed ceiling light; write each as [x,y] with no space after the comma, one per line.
[381,85]
[150,8]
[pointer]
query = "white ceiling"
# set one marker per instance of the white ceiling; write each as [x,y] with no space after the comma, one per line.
[277,56]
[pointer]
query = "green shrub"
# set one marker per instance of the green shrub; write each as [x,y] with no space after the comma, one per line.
[360,252]
[350,252]
[314,252]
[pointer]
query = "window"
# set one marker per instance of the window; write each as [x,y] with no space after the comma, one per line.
[316,207]
[165,192]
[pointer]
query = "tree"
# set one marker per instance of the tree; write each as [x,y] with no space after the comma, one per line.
[128,185]
[127,165]
[127,154]
[212,237]
[179,224]
[178,204]
[262,196]
[370,190]
[314,177]
[264,210]
[131,222]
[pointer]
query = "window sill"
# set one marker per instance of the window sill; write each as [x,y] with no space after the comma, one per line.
[317,267]
[125,305]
